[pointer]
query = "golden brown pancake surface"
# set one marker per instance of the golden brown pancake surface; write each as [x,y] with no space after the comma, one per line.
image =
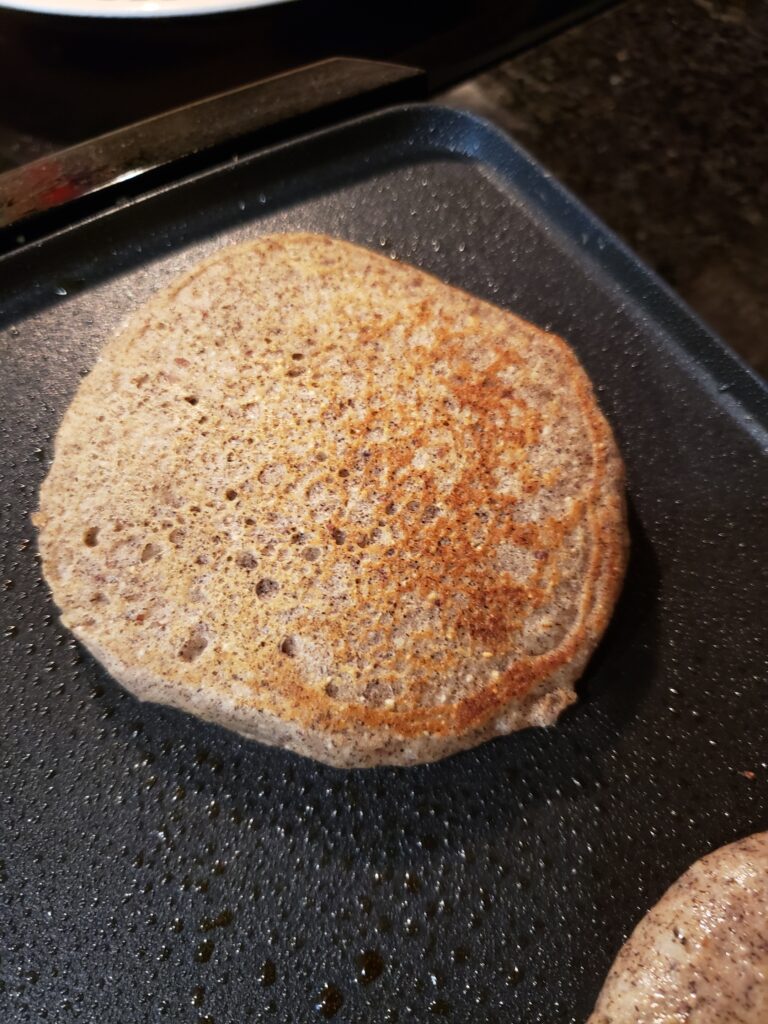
[334,504]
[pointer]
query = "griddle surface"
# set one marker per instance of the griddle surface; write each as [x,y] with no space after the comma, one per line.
[157,868]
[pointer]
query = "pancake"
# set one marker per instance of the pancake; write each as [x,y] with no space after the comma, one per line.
[700,956]
[331,503]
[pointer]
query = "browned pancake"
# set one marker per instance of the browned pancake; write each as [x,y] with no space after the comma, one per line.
[334,504]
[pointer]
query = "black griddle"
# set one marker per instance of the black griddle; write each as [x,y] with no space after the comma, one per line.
[157,868]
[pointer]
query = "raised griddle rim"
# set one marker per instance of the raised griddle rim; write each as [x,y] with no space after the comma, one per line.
[463,135]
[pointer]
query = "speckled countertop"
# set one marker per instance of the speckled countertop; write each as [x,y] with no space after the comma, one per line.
[656,115]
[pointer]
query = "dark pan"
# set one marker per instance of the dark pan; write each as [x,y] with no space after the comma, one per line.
[156,868]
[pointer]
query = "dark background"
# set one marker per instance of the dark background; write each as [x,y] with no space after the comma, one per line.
[77,77]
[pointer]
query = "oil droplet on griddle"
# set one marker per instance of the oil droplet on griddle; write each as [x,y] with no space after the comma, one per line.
[220,921]
[204,951]
[411,883]
[198,995]
[369,966]
[329,1002]
[384,924]
[514,977]
[267,974]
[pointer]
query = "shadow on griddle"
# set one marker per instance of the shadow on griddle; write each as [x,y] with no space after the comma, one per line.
[621,669]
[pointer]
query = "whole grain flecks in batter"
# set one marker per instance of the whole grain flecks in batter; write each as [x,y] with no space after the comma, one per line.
[334,504]
[700,956]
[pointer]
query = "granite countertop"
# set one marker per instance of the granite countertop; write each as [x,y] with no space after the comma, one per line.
[656,115]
